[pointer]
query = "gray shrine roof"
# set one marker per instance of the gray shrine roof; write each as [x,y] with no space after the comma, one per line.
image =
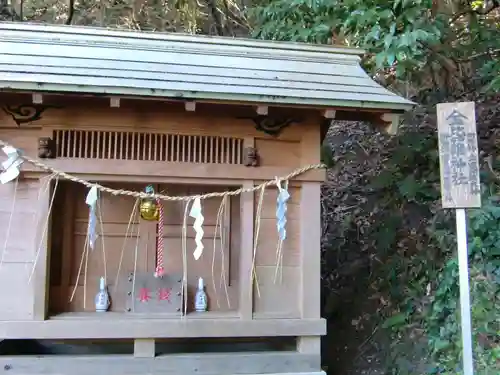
[49,58]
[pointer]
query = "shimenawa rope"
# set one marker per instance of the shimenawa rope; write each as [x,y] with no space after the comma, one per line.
[138,194]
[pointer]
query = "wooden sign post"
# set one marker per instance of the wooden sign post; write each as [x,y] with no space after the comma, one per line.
[460,189]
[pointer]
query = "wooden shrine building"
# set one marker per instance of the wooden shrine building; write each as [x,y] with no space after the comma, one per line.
[186,115]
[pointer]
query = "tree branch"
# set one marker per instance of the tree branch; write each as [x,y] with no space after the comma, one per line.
[214,12]
[493,53]
[495,5]
[447,63]
[71,12]
[226,15]
[7,12]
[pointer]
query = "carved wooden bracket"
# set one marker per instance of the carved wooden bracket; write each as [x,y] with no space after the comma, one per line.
[271,125]
[25,113]
[46,148]
[250,157]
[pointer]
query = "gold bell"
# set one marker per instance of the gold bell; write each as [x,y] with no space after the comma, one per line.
[149,207]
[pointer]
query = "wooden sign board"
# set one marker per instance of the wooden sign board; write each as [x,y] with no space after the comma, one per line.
[148,294]
[458,155]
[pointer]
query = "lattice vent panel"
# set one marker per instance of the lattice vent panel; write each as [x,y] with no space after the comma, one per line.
[87,144]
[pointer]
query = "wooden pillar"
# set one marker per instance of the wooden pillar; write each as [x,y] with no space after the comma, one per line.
[68,241]
[310,261]
[310,242]
[247,206]
[246,254]
[39,279]
[310,250]
[144,348]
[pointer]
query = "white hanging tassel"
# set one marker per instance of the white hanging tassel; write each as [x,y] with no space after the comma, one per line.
[197,214]
[91,201]
[11,165]
[281,209]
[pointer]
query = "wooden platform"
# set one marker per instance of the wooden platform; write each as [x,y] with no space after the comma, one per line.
[201,364]
[117,326]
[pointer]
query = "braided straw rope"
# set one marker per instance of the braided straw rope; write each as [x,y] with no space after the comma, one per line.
[159,242]
[137,194]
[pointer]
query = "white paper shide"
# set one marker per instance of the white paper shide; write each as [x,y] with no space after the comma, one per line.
[11,165]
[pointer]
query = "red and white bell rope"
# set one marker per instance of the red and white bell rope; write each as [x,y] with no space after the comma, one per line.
[159,272]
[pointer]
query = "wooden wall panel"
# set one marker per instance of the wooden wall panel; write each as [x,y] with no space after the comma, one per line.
[268,242]
[217,263]
[163,117]
[269,203]
[116,211]
[114,214]
[278,153]
[268,235]
[16,294]
[25,139]
[112,242]
[18,247]
[280,298]
[295,147]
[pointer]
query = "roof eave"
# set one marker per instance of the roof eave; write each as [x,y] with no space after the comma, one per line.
[400,105]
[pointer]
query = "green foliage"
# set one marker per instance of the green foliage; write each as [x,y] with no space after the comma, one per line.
[392,30]
[491,72]
[400,36]
[413,241]
[443,49]
[430,300]
[442,320]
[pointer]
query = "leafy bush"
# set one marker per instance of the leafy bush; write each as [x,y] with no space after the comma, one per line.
[388,216]
[413,39]
[442,320]
[415,242]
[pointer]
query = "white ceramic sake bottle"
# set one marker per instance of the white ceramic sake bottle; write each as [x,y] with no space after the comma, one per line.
[102,297]
[200,299]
